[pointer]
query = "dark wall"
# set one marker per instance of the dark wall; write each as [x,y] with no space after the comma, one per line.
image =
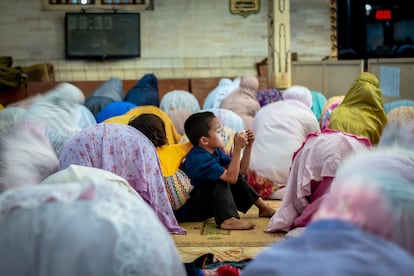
[386,30]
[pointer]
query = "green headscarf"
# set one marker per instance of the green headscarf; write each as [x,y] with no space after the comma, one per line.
[362,110]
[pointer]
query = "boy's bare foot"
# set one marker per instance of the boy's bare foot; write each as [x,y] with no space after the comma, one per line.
[236,224]
[266,212]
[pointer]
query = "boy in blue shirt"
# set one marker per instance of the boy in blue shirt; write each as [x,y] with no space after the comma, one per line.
[220,190]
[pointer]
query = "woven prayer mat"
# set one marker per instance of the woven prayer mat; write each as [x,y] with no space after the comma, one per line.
[227,245]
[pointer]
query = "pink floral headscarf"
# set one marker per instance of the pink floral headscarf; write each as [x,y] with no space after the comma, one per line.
[375,189]
[125,151]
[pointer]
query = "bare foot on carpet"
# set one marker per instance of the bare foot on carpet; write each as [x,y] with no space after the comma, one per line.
[236,224]
[266,212]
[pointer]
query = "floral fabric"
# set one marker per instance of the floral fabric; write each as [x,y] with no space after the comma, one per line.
[268,95]
[125,151]
[375,189]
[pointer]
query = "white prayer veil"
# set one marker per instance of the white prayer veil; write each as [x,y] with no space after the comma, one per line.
[91,226]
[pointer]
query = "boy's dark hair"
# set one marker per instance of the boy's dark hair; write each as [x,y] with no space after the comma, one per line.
[151,126]
[198,125]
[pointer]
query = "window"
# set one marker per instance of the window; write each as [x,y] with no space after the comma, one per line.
[97,5]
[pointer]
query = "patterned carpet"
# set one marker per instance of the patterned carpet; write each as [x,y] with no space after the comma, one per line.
[205,237]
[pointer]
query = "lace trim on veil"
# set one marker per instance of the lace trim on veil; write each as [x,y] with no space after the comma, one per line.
[139,232]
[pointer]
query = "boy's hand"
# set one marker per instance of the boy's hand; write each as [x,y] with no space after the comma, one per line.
[250,136]
[241,139]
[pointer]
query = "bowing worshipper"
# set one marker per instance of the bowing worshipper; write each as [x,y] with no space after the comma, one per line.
[63,112]
[108,92]
[113,109]
[83,221]
[334,246]
[115,234]
[242,100]
[280,129]
[173,136]
[179,105]
[331,104]
[300,93]
[362,109]
[83,116]
[57,108]
[144,92]
[363,227]
[318,101]
[127,152]
[179,99]
[268,95]
[10,116]
[313,168]
[386,177]
[26,102]
[178,117]
[177,183]
[403,115]
[398,103]
[224,88]
[26,155]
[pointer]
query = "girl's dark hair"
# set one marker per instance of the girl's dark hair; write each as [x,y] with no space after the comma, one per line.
[151,126]
[198,125]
